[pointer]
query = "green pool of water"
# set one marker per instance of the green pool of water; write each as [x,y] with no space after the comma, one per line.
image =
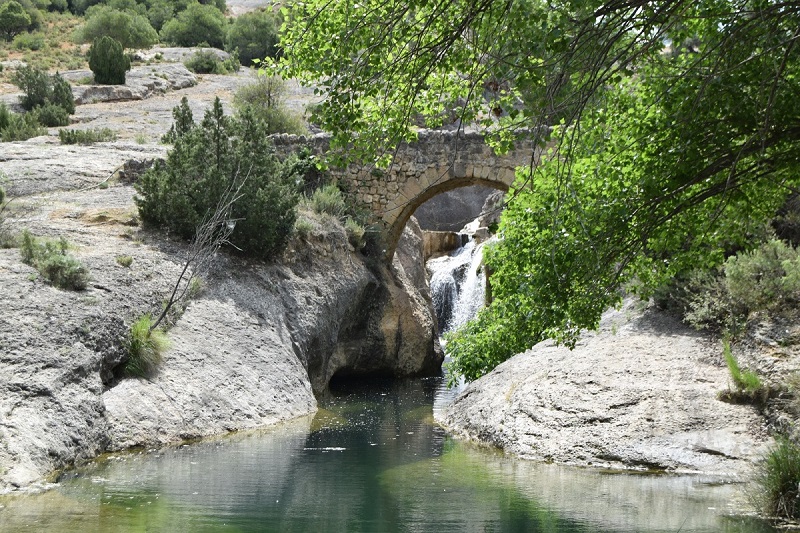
[371,460]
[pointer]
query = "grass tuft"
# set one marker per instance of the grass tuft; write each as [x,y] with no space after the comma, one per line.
[145,348]
[778,481]
[744,380]
[355,233]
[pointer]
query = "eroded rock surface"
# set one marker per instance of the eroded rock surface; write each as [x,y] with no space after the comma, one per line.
[251,351]
[641,393]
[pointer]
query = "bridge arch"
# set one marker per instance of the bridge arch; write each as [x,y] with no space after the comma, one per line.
[394,229]
[438,161]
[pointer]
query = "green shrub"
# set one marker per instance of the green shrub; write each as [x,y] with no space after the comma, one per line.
[330,200]
[107,61]
[124,260]
[202,62]
[51,115]
[21,128]
[778,480]
[35,84]
[766,278]
[146,348]
[130,29]
[197,24]
[86,136]
[303,227]
[62,94]
[264,98]
[159,12]
[183,122]
[53,262]
[204,162]
[40,88]
[355,233]
[254,35]
[5,116]
[207,62]
[28,41]
[13,19]
[79,7]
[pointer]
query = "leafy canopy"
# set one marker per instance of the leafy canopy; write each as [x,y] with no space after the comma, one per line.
[673,126]
[129,28]
[13,19]
[197,24]
[254,35]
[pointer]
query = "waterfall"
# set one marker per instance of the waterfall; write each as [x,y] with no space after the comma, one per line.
[457,285]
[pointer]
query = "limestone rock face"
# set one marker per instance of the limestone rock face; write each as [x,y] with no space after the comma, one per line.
[639,394]
[251,350]
[226,370]
[348,316]
[451,210]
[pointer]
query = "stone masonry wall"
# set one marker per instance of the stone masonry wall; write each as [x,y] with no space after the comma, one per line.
[439,161]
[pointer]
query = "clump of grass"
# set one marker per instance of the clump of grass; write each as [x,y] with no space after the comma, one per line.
[124,260]
[748,387]
[146,348]
[86,136]
[778,481]
[744,380]
[53,262]
[330,200]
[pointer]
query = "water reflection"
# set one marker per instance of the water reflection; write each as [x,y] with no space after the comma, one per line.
[371,460]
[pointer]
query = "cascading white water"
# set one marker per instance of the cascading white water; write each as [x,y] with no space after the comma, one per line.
[458,286]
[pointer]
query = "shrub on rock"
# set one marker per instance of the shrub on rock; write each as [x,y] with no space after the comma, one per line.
[220,154]
[108,62]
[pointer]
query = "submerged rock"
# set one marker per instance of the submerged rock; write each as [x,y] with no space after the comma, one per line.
[641,393]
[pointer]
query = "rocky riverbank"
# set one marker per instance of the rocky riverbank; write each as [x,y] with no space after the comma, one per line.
[641,393]
[254,348]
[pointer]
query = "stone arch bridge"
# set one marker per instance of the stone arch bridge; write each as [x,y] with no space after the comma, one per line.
[437,162]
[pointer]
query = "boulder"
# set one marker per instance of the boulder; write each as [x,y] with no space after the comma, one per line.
[140,83]
[436,243]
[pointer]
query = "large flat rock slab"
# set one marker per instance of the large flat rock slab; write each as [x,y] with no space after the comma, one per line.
[43,165]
